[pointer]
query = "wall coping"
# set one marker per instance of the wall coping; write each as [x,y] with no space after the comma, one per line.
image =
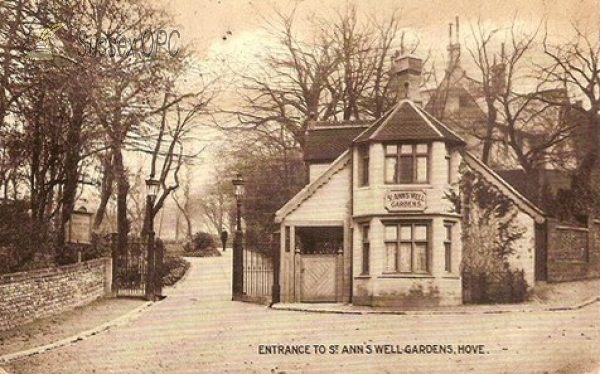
[49,271]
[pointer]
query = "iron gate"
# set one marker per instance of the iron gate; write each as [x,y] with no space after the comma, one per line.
[137,268]
[258,276]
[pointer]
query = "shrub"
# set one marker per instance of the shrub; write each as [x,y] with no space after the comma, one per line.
[174,268]
[508,286]
[100,246]
[22,247]
[201,241]
[202,245]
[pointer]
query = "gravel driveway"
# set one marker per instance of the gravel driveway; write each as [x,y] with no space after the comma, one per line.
[197,329]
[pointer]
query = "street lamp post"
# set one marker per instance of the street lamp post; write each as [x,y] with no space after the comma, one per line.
[237,287]
[152,186]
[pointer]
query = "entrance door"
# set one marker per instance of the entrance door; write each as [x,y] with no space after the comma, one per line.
[318,278]
[320,252]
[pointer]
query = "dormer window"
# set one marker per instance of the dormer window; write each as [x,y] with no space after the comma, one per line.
[406,163]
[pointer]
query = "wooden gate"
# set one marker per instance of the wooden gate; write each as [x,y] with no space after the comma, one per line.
[134,268]
[318,277]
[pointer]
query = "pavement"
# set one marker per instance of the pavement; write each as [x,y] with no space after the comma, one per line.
[197,326]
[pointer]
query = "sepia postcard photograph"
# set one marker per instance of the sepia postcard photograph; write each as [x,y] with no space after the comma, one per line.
[299,186]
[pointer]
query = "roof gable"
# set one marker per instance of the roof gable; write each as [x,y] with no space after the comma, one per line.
[491,176]
[312,187]
[406,121]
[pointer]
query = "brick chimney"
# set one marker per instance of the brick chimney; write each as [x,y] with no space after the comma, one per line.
[407,69]
[453,49]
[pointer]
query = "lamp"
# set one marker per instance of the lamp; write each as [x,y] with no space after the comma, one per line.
[237,261]
[152,187]
[239,183]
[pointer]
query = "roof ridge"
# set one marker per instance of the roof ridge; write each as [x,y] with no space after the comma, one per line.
[421,113]
[393,111]
[440,123]
[384,118]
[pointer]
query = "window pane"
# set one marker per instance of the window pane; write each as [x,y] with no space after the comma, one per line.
[391,149]
[406,169]
[420,257]
[422,148]
[406,149]
[365,260]
[405,232]
[390,170]
[448,232]
[365,171]
[365,233]
[390,263]
[420,233]
[391,233]
[405,257]
[421,168]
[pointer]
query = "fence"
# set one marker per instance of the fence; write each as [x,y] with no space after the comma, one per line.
[573,252]
[137,269]
[258,277]
[494,287]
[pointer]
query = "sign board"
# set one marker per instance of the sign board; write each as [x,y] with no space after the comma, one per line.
[79,227]
[405,201]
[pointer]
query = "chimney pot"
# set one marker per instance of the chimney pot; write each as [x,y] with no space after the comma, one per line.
[408,70]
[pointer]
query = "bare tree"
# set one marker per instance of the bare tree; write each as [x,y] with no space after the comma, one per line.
[575,65]
[339,73]
[184,206]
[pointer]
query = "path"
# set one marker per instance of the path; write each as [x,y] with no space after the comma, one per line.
[197,329]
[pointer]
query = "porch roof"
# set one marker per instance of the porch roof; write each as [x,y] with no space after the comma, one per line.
[312,187]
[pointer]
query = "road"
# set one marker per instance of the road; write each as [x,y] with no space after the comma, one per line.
[197,329]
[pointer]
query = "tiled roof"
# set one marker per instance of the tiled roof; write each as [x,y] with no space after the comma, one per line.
[406,121]
[525,183]
[326,143]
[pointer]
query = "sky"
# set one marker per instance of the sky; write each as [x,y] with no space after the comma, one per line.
[207,21]
[234,30]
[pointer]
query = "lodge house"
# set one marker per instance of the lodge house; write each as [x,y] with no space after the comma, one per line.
[374,226]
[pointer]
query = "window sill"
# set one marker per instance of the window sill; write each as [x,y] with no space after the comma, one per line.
[405,275]
[450,276]
[408,185]
[363,276]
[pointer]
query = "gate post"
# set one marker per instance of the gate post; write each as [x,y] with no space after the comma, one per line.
[159,253]
[276,261]
[149,281]
[114,238]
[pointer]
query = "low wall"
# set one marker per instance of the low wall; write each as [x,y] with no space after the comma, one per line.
[573,252]
[27,296]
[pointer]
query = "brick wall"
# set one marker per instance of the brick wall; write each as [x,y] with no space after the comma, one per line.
[573,252]
[27,296]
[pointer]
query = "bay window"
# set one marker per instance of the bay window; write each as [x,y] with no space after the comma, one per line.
[407,247]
